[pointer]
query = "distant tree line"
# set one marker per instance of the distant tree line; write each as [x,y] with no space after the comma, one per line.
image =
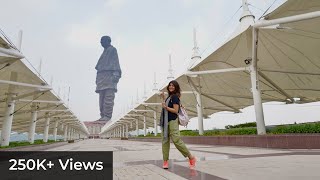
[249,124]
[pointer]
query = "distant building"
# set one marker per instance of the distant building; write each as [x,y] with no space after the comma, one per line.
[94,128]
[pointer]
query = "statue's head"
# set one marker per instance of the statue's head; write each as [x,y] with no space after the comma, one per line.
[105,41]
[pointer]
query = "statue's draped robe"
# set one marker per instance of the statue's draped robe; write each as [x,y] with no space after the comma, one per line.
[108,75]
[108,68]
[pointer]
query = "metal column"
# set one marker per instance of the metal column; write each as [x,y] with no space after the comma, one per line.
[137,127]
[7,123]
[33,122]
[144,126]
[55,130]
[65,133]
[155,123]
[123,131]
[261,128]
[46,129]
[200,113]
[127,133]
[69,133]
[8,116]
[73,134]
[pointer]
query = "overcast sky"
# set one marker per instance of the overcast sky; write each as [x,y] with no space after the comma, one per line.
[66,36]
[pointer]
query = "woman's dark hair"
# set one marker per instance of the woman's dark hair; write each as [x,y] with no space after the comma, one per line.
[177,90]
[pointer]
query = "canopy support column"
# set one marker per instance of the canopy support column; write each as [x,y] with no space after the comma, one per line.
[199,105]
[46,129]
[7,123]
[127,133]
[65,138]
[155,123]
[33,122]
[261,128]
[69,133]
[122,130]
[137,127]
[200,113]
[72,134]
[144,126]
[55,130]
[8,116]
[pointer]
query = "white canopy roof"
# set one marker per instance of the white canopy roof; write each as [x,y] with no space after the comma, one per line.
[30,89]
[288,62]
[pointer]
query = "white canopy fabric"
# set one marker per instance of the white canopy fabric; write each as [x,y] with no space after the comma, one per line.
[6,58]
[28,83]
[133,115]
[293,7]
[288,64]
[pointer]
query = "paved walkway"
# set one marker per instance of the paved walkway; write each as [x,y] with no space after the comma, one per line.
[143,160]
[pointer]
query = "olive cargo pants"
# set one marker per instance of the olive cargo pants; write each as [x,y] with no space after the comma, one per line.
[174,135]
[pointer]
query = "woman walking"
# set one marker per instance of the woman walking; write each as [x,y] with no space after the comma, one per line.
[170,125]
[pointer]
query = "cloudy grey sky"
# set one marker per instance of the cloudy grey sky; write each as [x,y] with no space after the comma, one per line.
[66,36]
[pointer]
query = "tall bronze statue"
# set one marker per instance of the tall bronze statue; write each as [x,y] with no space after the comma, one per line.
[108,75]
